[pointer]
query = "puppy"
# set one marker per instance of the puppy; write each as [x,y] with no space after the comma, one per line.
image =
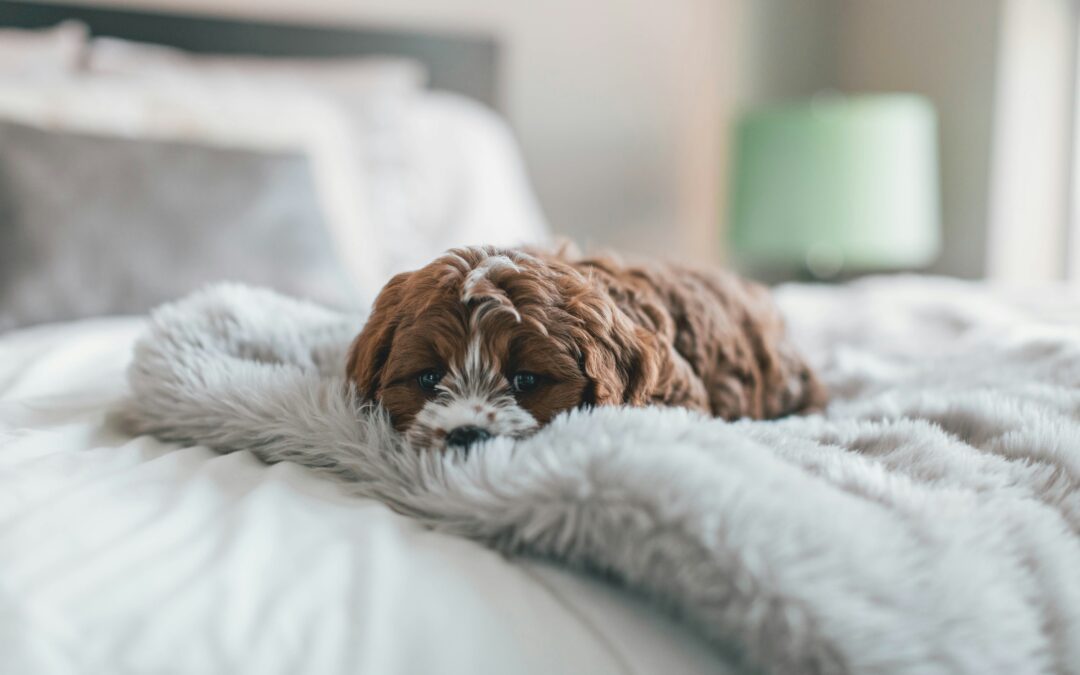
[489,342]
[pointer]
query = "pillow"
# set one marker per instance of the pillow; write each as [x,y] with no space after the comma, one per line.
[96,224]
[373,96]
[447,172]
[345,76]
[439,170]
[52,51]
[204,113]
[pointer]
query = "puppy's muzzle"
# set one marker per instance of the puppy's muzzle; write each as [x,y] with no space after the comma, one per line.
[465,436]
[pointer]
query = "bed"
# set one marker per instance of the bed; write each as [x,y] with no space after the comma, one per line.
[926,523]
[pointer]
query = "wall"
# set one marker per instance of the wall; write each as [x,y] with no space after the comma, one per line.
[788,50]
[946,50]
[618,104]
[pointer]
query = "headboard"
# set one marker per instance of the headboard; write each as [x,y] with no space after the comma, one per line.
[467,64]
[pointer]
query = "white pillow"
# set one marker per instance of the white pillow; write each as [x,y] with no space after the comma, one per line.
[344,76]
[445,171]
[440,170]
[372,93]
[52,51]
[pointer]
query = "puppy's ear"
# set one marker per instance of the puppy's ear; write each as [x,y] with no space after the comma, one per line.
[620,359]
[371,348]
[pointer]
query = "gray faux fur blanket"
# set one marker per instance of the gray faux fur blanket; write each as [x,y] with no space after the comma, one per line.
[928,522]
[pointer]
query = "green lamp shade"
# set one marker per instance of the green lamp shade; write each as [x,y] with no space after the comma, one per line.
[838,182]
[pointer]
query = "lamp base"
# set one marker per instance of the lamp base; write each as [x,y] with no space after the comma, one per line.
[807,275]
[773,275]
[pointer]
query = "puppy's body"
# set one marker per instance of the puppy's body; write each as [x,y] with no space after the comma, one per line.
[720,344]
[486,342]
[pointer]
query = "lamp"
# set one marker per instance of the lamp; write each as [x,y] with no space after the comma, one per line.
[838,183]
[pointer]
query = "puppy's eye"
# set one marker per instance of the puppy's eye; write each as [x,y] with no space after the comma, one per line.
[523,383]
[428,380]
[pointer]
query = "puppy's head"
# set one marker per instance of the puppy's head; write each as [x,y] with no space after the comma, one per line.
[492,342]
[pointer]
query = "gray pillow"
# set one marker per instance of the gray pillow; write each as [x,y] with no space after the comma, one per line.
[93,225]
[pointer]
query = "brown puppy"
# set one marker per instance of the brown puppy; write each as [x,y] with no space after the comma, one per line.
[485,342]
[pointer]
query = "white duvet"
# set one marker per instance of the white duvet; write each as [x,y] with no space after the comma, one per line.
[127,555]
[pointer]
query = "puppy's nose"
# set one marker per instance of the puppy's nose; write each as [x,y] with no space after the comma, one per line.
[463,437]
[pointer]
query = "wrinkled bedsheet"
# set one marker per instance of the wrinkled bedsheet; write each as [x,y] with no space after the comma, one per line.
[128,555]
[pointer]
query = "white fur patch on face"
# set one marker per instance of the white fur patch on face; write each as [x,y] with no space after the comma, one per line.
[472,394]
[499,416]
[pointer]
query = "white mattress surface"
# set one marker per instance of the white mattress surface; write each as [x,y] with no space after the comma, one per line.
[127,555]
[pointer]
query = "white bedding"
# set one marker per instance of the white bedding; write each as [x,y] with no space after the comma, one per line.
[130,555]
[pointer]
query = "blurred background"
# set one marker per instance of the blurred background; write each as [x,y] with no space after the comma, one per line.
[792,138]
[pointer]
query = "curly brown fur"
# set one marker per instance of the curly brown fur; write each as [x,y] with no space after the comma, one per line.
[451,346]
